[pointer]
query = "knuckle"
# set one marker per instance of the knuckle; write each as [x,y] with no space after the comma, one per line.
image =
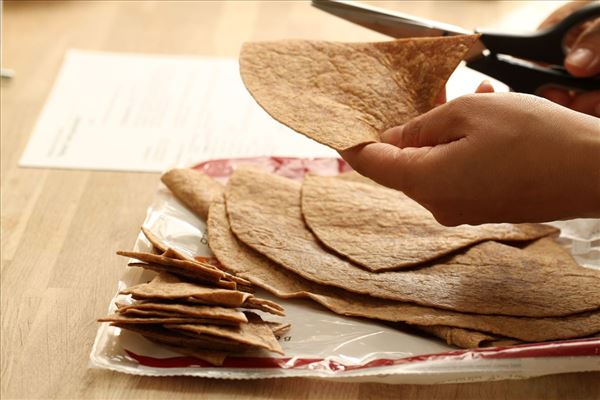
[458,110]
[411,134]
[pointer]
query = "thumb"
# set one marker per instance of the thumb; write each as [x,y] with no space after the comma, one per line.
[584,57]
[386,164]
[437,126]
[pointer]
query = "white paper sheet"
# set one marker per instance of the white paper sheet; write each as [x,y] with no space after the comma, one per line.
[110,111]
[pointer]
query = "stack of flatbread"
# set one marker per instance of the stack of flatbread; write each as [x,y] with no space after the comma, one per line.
[194,308]
[363,250]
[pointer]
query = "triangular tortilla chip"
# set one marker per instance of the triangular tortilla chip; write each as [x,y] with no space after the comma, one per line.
[193,188]
[243,260]
[207,271]
[128,319]
[264,305]
[489,278]
[278,328]
[382,229]
[155,241]
[161,334]
[345,94]
[193,311]
[190,268]
[168,287]
[255,333]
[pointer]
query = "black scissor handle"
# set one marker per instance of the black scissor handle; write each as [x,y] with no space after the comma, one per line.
[545,46]
[526,78]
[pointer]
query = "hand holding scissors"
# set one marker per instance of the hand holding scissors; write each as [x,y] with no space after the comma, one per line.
[525,62]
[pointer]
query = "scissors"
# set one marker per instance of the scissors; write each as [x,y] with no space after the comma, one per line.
[510,58]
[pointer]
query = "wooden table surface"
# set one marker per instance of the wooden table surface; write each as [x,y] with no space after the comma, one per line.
[60,228]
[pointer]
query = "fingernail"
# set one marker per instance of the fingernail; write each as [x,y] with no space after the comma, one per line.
[581,58]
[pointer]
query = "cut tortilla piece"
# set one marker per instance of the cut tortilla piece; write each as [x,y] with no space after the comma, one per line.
[278,328]
[189,268]
[196,311]
[161,334]
[489,278]
[155,241]
[346,94]
[240,259]
[162,247]
[184,274]
[143,314]
[255,333]
[264,305]
[128,319]
[193,188]
[382,229]
[168,287]
[206,271]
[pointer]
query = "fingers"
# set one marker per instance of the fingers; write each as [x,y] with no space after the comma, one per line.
[561,13]
[586,102]
[485,87]
[557,95]
[584,57]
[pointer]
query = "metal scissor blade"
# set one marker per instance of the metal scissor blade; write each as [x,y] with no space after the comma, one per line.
[390,23]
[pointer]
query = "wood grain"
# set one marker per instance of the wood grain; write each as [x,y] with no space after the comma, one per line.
[60,229]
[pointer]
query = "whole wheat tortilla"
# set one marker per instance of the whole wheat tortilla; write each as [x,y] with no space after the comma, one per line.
[240,259]
[345,94]
[466,338]
[382,229]
[193,188]
[255,333]
[195,311]
[489,278]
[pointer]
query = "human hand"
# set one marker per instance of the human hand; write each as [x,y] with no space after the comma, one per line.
[583,60]
[502,157]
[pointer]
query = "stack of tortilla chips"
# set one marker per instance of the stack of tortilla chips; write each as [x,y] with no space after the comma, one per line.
[195,308]
[363,250]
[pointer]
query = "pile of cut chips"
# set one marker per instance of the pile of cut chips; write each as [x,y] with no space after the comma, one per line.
[363,250]
[195,308]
